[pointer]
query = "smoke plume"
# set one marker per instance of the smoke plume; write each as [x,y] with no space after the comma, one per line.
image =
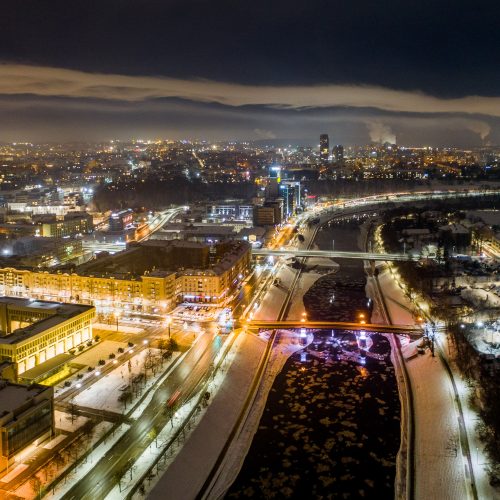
[380,133]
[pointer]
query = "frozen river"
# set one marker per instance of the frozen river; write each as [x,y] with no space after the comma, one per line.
[330,428]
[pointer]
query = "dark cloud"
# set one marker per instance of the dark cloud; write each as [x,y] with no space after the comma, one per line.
[441,47]
[422,70]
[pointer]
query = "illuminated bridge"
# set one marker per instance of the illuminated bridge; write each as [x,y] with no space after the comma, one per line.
[332,254]
[334,325]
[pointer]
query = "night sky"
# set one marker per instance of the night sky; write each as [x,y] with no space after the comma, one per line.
[422,72]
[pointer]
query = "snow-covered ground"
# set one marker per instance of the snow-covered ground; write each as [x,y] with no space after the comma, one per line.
[485,339]
[479,459]
[101,350]
[398,305]
[440,463]
[104,393]
[480,298]
[65,423]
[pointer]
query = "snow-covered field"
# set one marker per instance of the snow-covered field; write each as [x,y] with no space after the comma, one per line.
[480,298]
[104,393]
[101,350]
[64,422]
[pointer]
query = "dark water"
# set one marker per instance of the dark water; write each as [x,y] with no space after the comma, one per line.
[341,295]
[330,428]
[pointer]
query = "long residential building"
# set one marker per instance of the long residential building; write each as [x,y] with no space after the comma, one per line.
[150,277]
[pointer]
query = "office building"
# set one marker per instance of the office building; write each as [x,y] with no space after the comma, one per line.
[26,417]
[263,216]
[205,233]
[118,221]
[297,196]
[324,148]
[72,224]
[273,182]
[230,211]
[271,213]
[287,193]
[32,332]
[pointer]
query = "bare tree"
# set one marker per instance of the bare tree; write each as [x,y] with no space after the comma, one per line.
[36,486]
[124,398]
[73,411]
[59,460]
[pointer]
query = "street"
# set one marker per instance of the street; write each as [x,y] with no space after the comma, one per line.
[183,380]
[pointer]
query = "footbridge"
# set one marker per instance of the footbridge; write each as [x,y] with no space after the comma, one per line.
[334,325]
[339,255]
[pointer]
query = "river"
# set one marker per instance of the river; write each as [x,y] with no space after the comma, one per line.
[330,427]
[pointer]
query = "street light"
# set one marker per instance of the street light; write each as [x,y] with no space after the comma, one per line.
[117,315]
[168,320]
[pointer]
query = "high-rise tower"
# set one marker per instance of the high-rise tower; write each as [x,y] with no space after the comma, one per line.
[324,147]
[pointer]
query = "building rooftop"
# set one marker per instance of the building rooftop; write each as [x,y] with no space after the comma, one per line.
[490,217]
[455,229]
[60,312]
[12,396]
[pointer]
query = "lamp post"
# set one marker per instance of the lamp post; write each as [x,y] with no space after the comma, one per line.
[168,321]
[361,317]
[117,316]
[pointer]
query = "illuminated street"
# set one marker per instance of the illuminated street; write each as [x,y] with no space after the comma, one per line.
[182,382]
